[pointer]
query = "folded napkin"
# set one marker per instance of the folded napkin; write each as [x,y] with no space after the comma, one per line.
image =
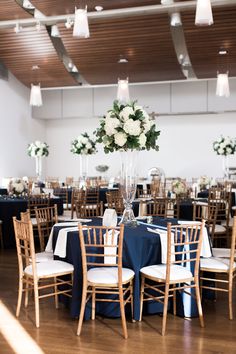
[109,251]
[49,243]
[60,249]
[163,238]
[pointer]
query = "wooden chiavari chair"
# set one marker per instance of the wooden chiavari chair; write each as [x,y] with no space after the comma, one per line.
[103,274]
[46,218]
[115,201]
[90,205]
[63,193]
[179,272]
[38,276]
[39,201]
[223,272]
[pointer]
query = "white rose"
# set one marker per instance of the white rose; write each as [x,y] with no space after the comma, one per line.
[78,145]
[142,140]
[110,125]
[227,140]
[221,151]
[229,150]
[126,112]
[132,127]
[37,143]
[120,138]
[84,140]
[88,145]
[33,153]
[85,151]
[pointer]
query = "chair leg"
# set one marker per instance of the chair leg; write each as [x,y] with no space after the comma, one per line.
[93,303]
[132,300]
[122,312]
[166,298]
[26,291]
[56,295]
[82,309]
[230,299]
[174,303]
[199,304]
[36,303]
[141,298]
[20,291]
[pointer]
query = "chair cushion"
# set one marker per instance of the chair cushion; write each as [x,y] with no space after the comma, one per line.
[215,263]
[219,228]
[231,221]
[44,256]
[50,268]
[108,275]
[159,271]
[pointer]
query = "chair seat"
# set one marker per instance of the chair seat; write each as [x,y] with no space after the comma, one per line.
[215,263]
[108,275]
[224,223]
[219,229]
[44,256]
[50,268]
[159,271]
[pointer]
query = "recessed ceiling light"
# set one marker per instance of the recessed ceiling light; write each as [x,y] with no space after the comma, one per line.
[98,8]
[222,51]
[35,67]
[167,2]
[122,60]
[27,5]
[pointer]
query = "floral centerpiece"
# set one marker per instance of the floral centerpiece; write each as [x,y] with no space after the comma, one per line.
[204,183]
[38,149]
[83,145]
[17,187]
[127,127]
[179,187]
[224,146]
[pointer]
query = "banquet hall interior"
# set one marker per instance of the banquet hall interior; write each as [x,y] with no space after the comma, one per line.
[117,176]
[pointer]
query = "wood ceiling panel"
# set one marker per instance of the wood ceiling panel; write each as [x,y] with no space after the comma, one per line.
[21,51]
[10,10]
[144,41]
[204,42]
[61,7]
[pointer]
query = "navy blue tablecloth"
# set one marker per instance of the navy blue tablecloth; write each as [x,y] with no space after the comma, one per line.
[3,191]
[140,248]
[10,207]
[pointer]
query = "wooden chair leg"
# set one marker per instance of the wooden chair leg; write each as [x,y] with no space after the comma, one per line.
[82,309]
[199,304]
[174,303]
[230,299]
[166,298]
[132,300]
[93,303]
[56,295]
[141,298]
[20,292]
[26,291]
[36,303]
[122,312]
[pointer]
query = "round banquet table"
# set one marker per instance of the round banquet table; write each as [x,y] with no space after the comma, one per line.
[10,207]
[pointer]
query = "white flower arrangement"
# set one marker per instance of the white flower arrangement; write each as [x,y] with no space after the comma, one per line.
[17,186]
[38,149]
[83,145]
[127,127]
[179,187]
[204,182]
[224,146]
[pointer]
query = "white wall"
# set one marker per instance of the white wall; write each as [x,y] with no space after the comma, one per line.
[185,146]
[17,129]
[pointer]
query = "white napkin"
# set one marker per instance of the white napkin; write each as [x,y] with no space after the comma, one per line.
[109,218]
[206,247]
[49,243]
[110,250]
[60,249]
[163,238]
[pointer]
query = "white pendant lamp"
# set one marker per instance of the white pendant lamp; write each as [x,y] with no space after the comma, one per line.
[81,28]
[203,13]
[222,85]
[35,96]
[123,91]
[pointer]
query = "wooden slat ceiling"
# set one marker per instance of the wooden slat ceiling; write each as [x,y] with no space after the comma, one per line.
[145,41]
[21,51]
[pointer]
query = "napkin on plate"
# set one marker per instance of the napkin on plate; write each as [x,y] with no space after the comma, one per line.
[163,238]
[60,249]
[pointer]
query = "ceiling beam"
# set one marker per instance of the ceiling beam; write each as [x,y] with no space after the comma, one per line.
[117,13]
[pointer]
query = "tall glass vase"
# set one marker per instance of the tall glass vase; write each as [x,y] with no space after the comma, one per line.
[83,170]
[38,166]
[128,183]
[225,166]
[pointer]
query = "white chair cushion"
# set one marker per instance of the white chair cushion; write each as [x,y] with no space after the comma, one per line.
[219,228]
[34,221]
[108,275]
[159,271]
[66,213]
[50,268]
[215,263]
[231,221]
[44,256]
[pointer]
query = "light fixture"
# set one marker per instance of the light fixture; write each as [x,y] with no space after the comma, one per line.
[123,91]
[74,69]
[98,8]
[69,23]
[81,28]
[203,15]
[167,2]
[27,5]
[38,14]
[35,95]
[223,52]
[175,19]
[222,85]
[55,31]
[122,60]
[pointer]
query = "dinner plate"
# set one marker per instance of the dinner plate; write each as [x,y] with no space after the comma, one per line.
[77,220]
[188,222]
